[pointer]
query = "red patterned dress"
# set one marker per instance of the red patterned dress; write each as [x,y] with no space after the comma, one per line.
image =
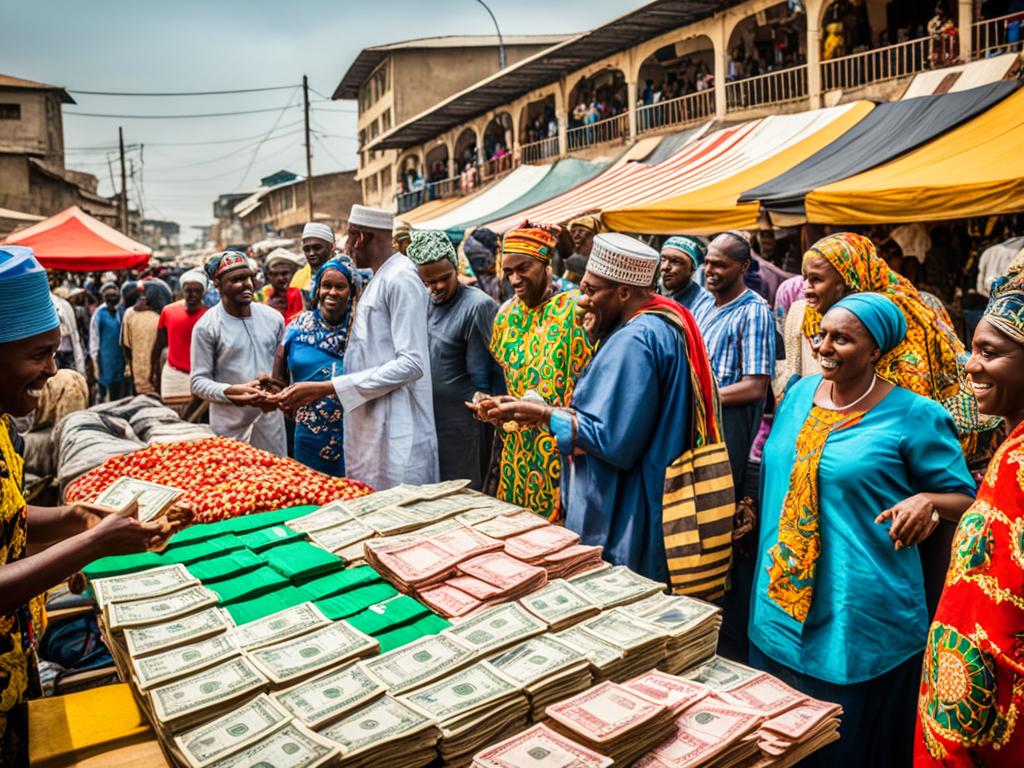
[972,686]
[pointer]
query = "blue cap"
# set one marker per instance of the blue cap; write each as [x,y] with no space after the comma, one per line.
[880,315]
[26,308]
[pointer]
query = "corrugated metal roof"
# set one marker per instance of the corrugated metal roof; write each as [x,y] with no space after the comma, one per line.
[369,58]
[9,81]
[548,66]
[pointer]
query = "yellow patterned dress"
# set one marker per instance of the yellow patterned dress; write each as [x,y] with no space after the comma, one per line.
[17,629]
[542,349]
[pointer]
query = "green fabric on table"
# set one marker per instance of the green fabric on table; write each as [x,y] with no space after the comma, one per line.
[264,605]
[243,524]
[226,566]
[396,638]
[389,615]
[340,581]
[118,565]
[249,585]
[265,538]
[203,550]
[301,561]
[355,601]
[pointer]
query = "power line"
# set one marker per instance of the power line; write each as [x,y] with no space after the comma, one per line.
[256,151]
[240,150]
[182,117]
[181,93]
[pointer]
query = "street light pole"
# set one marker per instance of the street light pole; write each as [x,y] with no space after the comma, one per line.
[501,43]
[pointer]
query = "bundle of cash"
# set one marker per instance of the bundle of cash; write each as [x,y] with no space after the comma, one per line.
[574,561]
[321,700]
[614,586]
[539,747]
[721,674]
[613,721]
[158,637]
[312,652]
[764,693]
[181,661]
[328,516]
[692,626]
[153,500]
[153,610]
[511,524]
[385,734]
[290,746]
[140,586]
[674,692]
[207,694]
[710,734]
[473,707]
[605,659]
[547,669]
[410,564]
[534,545]
[279,626]
[496,628]
[485,580]
[209,742]
[559,605]
[642,645]
[791,736]
[418,663]
[341,536]
[443,488]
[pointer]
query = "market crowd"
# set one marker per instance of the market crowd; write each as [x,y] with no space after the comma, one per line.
[787,445]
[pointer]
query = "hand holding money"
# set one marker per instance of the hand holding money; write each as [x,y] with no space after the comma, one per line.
[119,535]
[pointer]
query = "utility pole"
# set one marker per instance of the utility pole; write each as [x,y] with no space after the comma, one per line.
[124,183]
[309,152]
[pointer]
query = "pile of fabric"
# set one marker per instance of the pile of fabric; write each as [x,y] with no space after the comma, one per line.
[222,478]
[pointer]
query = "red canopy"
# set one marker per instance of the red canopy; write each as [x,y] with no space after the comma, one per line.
[74,241]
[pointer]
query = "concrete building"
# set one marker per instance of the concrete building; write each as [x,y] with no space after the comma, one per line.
[672,64]
[394,82]
[33,178]
[164,237]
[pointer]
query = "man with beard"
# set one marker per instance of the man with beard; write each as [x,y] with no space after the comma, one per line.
[233,348]
[174,331]
[317,247]
[105,346]
[385,390]
[680,258]
[460,319]
[633,411]
[542,351]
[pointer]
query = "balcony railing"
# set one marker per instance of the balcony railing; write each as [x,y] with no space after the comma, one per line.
[995,36]
[772,88]
[684,110]
[409,200]
[538,151]
[889,63]
[450,187]
[610,129]
[496,166]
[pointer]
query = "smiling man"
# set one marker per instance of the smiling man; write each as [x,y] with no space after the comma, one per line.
[233,348]
[680,258]
[460,319]
[632,411]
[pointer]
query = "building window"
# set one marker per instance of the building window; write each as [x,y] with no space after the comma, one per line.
[385,179]
[10,111]
[385,121]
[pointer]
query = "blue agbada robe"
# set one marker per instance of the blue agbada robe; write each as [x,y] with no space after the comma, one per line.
[633,413]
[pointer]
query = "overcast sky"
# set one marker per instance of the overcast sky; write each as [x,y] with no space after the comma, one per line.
[199,45]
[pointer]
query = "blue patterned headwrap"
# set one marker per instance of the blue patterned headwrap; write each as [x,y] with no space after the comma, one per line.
[26,308]
[880,315]
[343,264]
[1005,309]
[691,246]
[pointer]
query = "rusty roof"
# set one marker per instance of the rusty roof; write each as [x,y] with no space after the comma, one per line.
[9,81]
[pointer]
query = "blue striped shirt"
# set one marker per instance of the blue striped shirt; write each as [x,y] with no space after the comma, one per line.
[740,337]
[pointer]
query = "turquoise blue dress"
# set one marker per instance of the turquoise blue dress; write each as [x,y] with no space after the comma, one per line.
[868,612]
[316,352]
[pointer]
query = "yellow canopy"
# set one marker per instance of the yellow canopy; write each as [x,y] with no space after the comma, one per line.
[713,208]
[976,169]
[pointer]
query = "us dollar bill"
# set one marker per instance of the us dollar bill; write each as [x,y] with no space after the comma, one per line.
[139,586]
[210,688]
[279,626]
[327,697]
[250,722]
[465,691]
[419,662]
[290,746]
[380,722]
[158,609]
[302,656]
[153,499]
[183,660]
[195,626]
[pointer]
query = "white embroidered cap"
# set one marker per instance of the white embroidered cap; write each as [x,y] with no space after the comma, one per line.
[319,231]
[623,259]
[371,218]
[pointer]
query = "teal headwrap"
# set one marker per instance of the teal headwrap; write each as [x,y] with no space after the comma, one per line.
[431,246]
[1005,310]
[880,315]
[343,264]
[691,246]
[26,308]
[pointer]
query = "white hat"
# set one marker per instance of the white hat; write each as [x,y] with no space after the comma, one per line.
[319,231]
[623,259]
[371,218]
[193,276]
[282,255]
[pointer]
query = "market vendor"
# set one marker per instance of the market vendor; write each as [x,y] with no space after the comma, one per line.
[29,337]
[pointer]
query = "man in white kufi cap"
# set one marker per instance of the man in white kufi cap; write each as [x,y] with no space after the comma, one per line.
[632,411]
[171,378]
[317,246]
[386,389]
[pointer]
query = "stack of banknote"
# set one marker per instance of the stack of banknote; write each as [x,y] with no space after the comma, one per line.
[386,733]
[539,747]
[473,707]
[791,736]
[613,721]
[641,645]
[559,605]
[709,734]
[691,625]
[546,668]
[618,585]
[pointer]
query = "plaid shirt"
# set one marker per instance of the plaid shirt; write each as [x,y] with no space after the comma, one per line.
[740,337]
